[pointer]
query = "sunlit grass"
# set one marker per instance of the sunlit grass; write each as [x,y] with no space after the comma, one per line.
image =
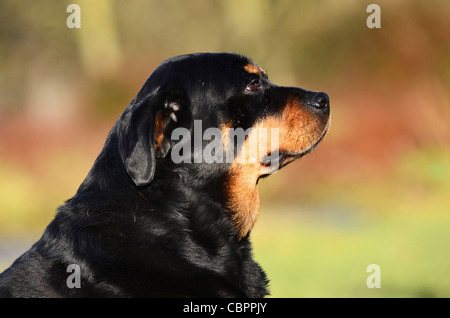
[322,247]
[308,257]
[29,199]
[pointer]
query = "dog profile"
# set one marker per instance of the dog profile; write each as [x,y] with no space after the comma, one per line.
[152,218]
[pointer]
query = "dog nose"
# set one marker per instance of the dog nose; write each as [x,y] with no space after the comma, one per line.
[320,101]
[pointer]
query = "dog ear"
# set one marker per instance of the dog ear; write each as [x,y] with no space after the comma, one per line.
[135,143]
[142,136]
[166,120]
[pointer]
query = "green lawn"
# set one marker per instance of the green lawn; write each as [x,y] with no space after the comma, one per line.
[306,256]
[321,243]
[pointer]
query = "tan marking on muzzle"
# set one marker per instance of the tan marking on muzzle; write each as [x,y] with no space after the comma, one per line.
[298,131]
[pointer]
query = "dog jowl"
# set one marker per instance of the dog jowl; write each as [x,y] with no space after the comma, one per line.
[167,208]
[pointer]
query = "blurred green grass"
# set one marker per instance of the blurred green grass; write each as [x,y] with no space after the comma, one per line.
[305,257]
[321,247]
[29,199]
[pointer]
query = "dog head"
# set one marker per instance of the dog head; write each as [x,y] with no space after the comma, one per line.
[218,117]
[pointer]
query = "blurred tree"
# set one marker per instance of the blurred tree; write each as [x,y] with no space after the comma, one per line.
[98,41]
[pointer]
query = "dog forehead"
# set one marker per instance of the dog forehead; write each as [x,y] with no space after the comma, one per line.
[205,67]
[200,76]
[206,61]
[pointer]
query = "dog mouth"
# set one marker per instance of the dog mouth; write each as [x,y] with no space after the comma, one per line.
[272,163]
[289,156]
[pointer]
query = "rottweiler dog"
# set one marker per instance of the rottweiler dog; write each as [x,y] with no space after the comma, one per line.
[166,210]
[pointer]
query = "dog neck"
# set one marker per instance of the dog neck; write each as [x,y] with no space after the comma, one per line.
[242,198]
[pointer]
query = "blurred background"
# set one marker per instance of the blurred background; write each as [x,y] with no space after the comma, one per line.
[375,191]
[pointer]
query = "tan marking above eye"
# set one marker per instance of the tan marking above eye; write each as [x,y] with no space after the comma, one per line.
[253,69]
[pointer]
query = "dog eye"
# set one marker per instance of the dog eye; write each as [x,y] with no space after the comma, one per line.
[253,86]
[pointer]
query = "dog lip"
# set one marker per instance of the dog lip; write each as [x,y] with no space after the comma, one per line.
[298,155]
[287,157]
